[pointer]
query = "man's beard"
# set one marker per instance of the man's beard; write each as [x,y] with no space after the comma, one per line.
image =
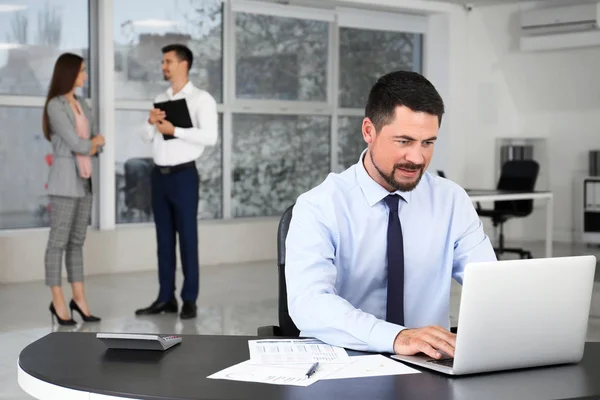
[390,180]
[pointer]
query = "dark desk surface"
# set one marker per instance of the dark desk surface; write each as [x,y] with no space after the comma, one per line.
[80,361]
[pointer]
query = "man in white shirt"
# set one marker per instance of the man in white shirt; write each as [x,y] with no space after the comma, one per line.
[175,181]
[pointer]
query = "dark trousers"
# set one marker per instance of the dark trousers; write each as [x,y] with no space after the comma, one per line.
[175,207]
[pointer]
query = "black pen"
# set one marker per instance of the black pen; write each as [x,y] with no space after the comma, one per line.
[312,369]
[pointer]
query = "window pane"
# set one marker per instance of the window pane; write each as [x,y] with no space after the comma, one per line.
[280,58]
[143,27]
[33,34]
[276,158]
[362,63]
[25,158]
[133,159]
[351,142]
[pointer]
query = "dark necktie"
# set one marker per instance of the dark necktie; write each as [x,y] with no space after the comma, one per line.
[395,258]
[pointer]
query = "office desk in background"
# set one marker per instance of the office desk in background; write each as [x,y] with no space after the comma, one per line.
[77,366]
[491,195]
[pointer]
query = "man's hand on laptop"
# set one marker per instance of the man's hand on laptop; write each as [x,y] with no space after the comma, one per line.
[431,340]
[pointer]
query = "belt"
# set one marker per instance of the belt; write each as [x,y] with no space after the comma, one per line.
[175,168]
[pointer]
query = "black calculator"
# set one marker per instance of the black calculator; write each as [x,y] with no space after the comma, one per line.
[138,341]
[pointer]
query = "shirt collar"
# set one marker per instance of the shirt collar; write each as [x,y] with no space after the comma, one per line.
[185,89]
[372,190]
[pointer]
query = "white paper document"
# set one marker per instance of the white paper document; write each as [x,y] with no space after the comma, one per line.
[289,374]
[371,365]
[286,362]
[273,351]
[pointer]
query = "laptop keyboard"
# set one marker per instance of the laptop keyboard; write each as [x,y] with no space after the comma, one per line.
[447,362]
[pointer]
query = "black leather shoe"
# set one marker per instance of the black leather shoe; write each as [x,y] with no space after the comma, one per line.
[188,310]
[159,307]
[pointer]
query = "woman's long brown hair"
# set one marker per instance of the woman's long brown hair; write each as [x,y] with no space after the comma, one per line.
[65,73]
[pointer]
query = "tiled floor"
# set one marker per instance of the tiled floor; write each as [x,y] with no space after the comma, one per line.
[234,300]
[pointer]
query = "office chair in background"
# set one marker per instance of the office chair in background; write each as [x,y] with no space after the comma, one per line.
[138,190]
[286,325]
[520,176]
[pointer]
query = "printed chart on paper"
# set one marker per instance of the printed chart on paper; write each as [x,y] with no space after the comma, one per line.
[294,351]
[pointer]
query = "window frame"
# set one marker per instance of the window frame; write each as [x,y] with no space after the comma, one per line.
[102,85]
[367,19]
[28,101]
[284,11]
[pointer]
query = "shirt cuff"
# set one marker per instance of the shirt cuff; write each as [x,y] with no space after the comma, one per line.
[383,336]
[178,132]
[150,129]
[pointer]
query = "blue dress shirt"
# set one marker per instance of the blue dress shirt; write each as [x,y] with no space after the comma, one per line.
[336,267]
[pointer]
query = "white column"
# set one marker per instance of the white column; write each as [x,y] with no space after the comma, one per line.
[228,97]
[333,67]
[94,83]
[435,58]
[106,117]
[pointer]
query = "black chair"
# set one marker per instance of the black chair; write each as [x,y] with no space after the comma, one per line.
[520,176]
[286,325]
[138,189]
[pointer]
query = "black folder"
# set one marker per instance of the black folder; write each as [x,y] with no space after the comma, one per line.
[176,113]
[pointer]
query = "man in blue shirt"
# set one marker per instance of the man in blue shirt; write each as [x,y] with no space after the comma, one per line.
[371,252]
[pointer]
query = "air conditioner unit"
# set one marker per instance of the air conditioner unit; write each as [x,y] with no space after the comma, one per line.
[573,18]
[560,28]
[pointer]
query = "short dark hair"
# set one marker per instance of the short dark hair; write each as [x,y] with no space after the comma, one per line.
[402,88]
[183,53]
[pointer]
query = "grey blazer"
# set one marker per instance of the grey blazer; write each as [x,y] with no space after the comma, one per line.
[64,179]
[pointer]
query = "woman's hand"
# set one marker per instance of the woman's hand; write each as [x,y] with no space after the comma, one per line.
[98,140]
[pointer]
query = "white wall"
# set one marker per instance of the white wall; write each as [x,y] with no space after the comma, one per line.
[133,248]
[445,56]
[554,95]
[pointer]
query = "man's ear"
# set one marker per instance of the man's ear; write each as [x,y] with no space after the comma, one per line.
[368,130]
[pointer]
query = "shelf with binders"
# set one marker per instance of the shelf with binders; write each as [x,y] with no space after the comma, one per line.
[591,209]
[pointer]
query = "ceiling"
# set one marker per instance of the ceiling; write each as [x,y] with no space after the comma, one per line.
[490,2]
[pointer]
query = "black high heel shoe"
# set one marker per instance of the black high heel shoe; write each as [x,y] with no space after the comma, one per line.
[87,318]
[58,319]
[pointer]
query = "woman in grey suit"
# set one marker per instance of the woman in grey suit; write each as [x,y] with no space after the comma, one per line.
[67,124]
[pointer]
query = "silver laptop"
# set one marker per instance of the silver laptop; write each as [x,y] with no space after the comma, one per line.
[519,314]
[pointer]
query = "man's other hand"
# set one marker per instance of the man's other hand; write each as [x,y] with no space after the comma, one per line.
[166,128]
[156,115]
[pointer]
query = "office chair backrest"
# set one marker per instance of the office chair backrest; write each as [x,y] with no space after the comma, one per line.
[517,175]
[138,173]
[288,328]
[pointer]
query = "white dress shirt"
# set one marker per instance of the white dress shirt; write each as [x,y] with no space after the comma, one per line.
[190,142]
